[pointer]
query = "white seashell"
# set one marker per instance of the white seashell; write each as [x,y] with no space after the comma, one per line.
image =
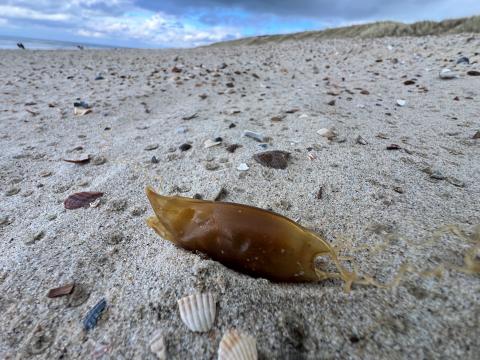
[209,143]
[157,345]
[447,74]
[401,102]
[254,135]
[237,346]
[329,134]
[198,311]
[303,116]
[242,167]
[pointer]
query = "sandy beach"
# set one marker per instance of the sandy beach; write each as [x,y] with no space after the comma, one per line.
[397,184]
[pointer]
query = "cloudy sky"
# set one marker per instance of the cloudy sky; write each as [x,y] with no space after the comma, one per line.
[185,23]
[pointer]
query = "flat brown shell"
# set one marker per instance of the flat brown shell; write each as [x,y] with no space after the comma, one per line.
[81,199]
[61,291]
[275,159]
[82,160]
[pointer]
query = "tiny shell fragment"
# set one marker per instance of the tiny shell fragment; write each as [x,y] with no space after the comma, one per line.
[198,311]
[60,291]
[93,315]
[157,345]
[81,199]
[275,159]
[237,346]
[82,160]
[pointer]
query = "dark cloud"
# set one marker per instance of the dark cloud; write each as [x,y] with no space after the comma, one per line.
[314,9]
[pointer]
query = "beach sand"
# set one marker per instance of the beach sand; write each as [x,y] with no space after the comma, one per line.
[416,205]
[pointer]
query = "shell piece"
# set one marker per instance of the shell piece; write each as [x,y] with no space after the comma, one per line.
[244,238]
[157,345]
[275,159]
[81,199]
[237,346]
[93,315]
[198,311]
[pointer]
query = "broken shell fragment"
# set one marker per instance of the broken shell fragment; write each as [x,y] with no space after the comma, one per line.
[198,311]
[237,346]
[275,159]
[82,160]
[157,345]
[254,135]
[210,143]
[401,102]
[242,167]
[60,291]
[90,320]
[81,199]
[329,134]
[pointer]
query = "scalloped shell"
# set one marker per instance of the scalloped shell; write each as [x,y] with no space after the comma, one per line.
[157,345]
[236,345]
[198,311]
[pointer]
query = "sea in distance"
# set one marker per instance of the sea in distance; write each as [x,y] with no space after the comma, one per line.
[10,42]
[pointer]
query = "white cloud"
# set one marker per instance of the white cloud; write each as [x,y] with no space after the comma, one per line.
[18,12]
[130,24]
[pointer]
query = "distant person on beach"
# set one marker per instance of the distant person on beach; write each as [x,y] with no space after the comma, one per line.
[20,46]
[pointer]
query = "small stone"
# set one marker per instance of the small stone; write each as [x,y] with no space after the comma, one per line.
[181,130]
[230,85]
[118,205]
[393,147]
[198,196]
[401,102]
[476,135]
[185,147]
[463,60]
[222,194]
[98,160]
[12,191]
[327,133]
[284,205]
[154,160]
[254,135]
[231,126]
[114,238]
[51,217]
[37,236]
[211,166]
[242,167]
[138,210]
[331,103]
[398,189]
[99,76]
[473,73]
[365,92]
[437,175]
[151,147]
[203,96]
[361,141]
[447,74]
[231,148]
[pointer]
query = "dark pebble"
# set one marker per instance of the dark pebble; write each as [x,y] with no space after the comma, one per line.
[185,147]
